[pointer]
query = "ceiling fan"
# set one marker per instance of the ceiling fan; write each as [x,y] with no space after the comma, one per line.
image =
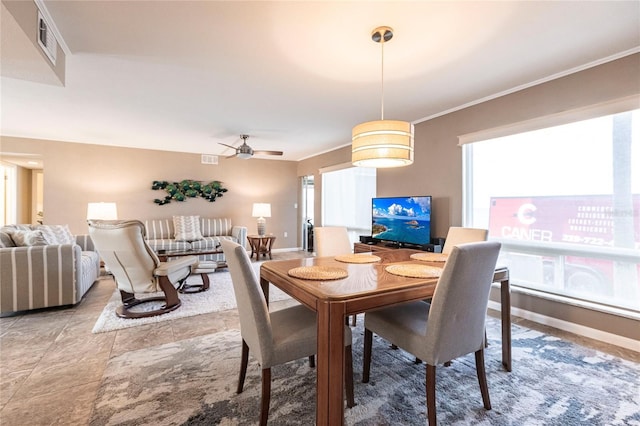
[245,152]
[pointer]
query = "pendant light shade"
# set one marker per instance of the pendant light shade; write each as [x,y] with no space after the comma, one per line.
[382,143]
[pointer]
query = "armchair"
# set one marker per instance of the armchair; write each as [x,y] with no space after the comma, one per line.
[136,268]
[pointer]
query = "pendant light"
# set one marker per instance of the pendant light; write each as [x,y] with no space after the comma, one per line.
[382,143]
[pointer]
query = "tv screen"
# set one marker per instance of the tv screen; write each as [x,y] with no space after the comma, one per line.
[404,220]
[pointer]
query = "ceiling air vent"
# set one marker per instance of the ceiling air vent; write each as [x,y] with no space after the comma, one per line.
[46,39]
[209,159]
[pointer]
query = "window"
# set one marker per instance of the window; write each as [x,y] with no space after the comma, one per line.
[346,199]
[565,203]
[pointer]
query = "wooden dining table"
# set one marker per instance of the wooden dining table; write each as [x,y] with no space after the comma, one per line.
[367,286]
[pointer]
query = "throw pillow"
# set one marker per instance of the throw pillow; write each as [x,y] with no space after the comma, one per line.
[57,234]
[187,228]
[28,238]
[6,241]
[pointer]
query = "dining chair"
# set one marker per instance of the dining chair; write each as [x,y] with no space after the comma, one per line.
[459,235]
[273,337]
[136,268]
[333,241]
[452,325]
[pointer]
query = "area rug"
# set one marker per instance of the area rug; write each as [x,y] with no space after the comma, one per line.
[219,297]
[193,382]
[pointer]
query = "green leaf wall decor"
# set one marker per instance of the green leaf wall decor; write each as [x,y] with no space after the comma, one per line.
[188,188]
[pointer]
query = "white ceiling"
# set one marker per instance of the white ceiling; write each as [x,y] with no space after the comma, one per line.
[295,76]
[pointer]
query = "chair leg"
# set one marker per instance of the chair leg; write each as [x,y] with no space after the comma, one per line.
[312,361]
[482,379]
[266,396]
[348,375]
[366,357]
[244,360]
[431,394]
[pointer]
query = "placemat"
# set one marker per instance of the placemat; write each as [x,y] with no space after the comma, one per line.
[430,257]
[357,258]
[318,273]
[414,270]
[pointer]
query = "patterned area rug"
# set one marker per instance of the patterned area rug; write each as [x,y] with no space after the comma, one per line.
[193,382]
[219,297]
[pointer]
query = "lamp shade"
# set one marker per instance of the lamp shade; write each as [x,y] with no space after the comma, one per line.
[261,210]
[382,143]
[102,211]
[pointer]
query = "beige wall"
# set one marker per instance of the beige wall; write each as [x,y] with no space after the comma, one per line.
[25,14]
[437,169]
[76,174]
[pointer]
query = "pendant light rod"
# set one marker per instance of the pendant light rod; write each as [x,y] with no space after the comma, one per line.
[382,84]
[382,35]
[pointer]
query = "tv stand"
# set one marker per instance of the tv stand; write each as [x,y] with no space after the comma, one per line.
[367,247]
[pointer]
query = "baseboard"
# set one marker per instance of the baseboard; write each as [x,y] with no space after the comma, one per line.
[283,250]
[581,330]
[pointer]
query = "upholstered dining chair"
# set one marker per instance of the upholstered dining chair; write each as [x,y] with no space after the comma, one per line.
[459,235]
[452,325]
[333,241]
[275,337]
[136,268]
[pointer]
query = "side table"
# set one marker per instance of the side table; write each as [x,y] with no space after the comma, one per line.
[261,244]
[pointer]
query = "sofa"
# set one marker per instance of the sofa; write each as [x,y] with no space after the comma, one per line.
[46,268]
[199,234]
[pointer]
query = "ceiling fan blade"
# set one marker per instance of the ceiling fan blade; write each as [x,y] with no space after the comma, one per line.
[224,144]
[231,156]
[260,152]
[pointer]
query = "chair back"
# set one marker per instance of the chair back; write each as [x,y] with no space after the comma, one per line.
[331,241]
[458,235]
[459,305]
[123,249]
[255,322]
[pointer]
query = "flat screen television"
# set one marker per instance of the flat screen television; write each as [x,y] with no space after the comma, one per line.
[401,220]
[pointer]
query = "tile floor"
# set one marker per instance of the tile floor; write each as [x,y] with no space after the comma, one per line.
[51,365]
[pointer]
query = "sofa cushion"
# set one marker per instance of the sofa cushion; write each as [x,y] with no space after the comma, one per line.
[187,228]
[159,229]
[168,245]
[215,227]
[28,238]
[207,243]
[57,234]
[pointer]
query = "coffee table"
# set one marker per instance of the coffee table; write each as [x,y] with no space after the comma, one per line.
[203,267]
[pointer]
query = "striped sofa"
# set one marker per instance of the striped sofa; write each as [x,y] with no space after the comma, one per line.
[44,276]
[160,235]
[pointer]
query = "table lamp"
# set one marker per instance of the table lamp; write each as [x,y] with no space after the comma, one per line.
[261,210]
[102,211]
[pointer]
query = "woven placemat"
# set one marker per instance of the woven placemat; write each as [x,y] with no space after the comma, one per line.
[414,270]
[357,258]
[318,273]
[430,257]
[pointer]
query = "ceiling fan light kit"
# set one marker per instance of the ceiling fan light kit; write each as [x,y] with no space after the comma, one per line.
[382,143]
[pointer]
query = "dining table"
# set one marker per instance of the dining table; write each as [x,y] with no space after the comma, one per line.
[361,286]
